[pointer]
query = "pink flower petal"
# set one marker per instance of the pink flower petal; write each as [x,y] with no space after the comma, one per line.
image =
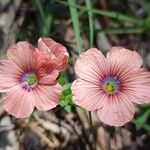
[19,102]
[91,65]
[137,87]
[122,60]
[117,111]
[87,95]
[9,74]
[55,51]
[47,97]
[48,79]
[23,54]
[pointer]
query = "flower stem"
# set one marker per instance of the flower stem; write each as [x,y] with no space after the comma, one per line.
[92,131]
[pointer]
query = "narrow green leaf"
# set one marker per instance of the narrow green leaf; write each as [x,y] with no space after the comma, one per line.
[75,22]
[111,14]
[91,26]
[46,18]
[143,118]
[141,125]
[39,6]
[132,30]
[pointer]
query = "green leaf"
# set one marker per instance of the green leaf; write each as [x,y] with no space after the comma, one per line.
[141,125]
[141,121]
[111,14]
[61,78]
[147,23]
[130,30]
[46,17]
[67,86]
[91,26]
[66,101]
[75,22]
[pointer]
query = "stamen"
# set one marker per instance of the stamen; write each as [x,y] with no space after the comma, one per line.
[111,85]
[29,80]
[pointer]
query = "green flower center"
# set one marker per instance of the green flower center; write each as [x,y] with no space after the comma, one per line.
[31,80]
[111,85]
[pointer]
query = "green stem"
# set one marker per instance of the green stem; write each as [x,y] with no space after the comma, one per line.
[92,132]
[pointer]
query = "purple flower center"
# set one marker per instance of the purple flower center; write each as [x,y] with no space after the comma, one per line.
[111,85]
[29,80]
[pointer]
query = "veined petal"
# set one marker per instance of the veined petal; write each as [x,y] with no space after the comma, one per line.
[45,44]
[87,95]
[48,79]
[91,65]
[19,102]
[116,111]
[9,74]
[47,97]
[23,54]
[137,87]
[56,52]
[122,60]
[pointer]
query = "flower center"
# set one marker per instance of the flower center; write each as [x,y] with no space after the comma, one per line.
[29,80]
[111,85]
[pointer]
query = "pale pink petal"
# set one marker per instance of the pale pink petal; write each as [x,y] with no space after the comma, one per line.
[19,102]
[23,54]
[91,65]
[61,55]
[46,63]
[45,44]
[9,74]
[56,52]
[122,60]
[87,95]
[137,86]
[117,110]
[48,79]
[47,97]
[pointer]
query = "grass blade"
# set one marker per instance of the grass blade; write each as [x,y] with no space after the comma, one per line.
[75,22]
[112,14]
[91,26]
[132,30]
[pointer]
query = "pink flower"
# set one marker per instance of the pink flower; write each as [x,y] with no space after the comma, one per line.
[50,50]
[27,84]
[111,85]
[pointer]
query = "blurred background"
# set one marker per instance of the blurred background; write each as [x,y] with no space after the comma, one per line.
[78,25]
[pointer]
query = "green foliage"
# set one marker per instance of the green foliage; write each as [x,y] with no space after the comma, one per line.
[147,23]
[136,30]
[112,14]
[91,25]
[61,78]
[145,4]
[66,100]
[75,22]
[45,12]
[66,96]
[141,121]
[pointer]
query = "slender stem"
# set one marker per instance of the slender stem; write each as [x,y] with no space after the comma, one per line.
[90,118]
[92,131]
